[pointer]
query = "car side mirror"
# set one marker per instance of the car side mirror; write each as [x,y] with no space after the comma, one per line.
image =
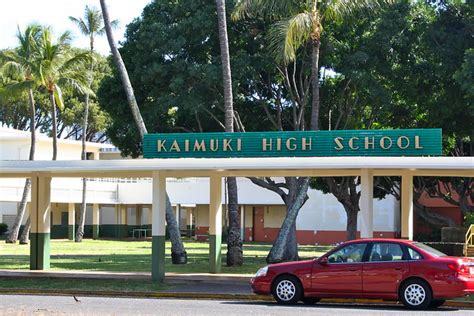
[323,261]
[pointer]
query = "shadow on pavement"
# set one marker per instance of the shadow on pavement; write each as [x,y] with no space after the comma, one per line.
[390,307]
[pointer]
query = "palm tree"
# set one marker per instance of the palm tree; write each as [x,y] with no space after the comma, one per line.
[90,26]
[178,253]
[57,67]
[18,65]
[234,240]
[300,23]
[132,102]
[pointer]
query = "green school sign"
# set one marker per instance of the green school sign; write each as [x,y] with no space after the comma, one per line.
[407,142]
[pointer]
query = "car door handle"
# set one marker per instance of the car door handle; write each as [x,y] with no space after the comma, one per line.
[398,268]
[354,270]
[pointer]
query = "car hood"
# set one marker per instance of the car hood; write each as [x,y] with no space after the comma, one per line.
[291,264]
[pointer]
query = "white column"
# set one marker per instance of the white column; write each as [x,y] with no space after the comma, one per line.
[158,227]
[366,203]
[242,222]
[215,224]
[406,220]
[40,214]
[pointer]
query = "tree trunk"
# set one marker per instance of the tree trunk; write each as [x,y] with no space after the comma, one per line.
[55,128]
[25,234]
[315,85]
[82,217]
[178,253]
[177,246]
[132,102]
[226,72]
[13,236]
[351,226]
[234,240]
[285,247]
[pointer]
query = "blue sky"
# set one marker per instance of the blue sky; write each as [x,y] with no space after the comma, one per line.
[55,13]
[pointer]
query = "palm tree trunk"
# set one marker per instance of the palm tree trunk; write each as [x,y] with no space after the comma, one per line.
[25,234]
[285,246]
[132,102]
[55,128]
[178,253]
[177,247]
[13,236]
[315,85]
[234,240]
[226,72]
[82,217]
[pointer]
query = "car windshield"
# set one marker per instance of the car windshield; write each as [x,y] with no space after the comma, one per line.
[430,250]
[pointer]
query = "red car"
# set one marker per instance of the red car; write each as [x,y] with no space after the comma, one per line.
[391,269]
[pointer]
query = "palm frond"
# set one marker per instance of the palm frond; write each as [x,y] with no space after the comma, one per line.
[58,97]
[81,25]
[18,87]
[339,9]
[13,70]
[287,36]
[246,8]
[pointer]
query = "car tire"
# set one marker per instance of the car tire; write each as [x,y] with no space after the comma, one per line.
[416,294]
[287,290]
[436,303]
[310,300]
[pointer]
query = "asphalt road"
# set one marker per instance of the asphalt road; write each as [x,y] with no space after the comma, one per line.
[63,305]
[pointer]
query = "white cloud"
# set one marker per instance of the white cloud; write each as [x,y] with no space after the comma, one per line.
[55,13]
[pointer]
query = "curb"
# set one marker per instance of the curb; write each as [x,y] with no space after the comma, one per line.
[208,296]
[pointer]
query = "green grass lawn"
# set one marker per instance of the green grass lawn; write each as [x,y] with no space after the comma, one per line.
[135,256]
[82,284]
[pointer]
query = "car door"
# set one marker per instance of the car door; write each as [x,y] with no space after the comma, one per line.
[342,273]
[386,266]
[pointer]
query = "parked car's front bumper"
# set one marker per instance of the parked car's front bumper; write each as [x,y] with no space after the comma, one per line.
[261,285]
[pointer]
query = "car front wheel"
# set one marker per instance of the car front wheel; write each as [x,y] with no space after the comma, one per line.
[416,294]
[287,290]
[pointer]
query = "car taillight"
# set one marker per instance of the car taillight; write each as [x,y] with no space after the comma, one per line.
[460,269]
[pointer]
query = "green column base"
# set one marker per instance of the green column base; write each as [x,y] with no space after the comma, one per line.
[71,233]
[39,251]
[215,257]
[158,258]
[95,231]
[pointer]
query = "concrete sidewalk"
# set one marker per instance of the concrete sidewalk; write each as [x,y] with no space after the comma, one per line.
[184,286]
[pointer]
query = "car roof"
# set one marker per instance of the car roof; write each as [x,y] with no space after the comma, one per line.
[402,241]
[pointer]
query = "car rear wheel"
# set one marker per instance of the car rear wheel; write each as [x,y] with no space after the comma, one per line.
[416,294]
[437,303]
[287,290]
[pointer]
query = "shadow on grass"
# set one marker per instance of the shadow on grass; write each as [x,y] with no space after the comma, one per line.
[197,263]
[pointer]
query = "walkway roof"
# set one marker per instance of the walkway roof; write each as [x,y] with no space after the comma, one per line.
[194,167]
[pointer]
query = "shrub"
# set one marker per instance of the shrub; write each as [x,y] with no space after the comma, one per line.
[3,228]
[468,219]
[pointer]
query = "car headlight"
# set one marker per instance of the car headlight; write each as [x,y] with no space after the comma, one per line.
[262,272]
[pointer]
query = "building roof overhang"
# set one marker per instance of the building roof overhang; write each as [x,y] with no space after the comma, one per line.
[204,167]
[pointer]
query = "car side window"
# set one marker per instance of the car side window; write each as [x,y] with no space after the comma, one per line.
[349,254]
[414,255]
[386,252]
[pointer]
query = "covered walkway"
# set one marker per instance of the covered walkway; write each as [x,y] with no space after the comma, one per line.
[367,168]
